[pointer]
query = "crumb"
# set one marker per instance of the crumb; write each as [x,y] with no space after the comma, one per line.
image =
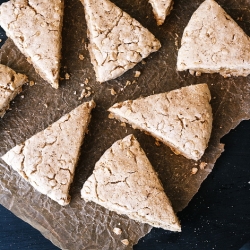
[203,165]
[82,85]
[45,105]
[128,83]
[137,74]
[123,124]
[111,116]
[117,230]
[0,40]
[192,72]
[88,88]
[125,242]
[82,94]
[134,82]
[67,76]
[194,170]
[81,57]
[74,92]
[86,46]
[32,83]
[83,41]
[86,81]
[143,62]
[198,73]
[22,96]
[157,143]
[113,92]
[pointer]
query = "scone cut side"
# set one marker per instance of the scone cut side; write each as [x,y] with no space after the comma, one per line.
[213,42]
[181,118]
[117,42]
[48,159]
[161,8]
[10,85]
[125,182]
[41,41]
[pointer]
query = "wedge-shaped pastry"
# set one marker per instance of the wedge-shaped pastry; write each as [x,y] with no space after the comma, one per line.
[117,41]
[182,118]
[213,42]
[48,159]
[161,8]
[35,28]
[10,85]
[124,181]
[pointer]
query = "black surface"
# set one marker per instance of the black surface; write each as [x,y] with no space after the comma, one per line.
[217,218]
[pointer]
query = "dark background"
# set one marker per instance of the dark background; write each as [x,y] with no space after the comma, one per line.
[218,217]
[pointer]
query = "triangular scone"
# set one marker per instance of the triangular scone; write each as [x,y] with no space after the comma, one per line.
[117,41]
[213,42]
[35,28]
[10,85]
[124,181]
[161,8]
[48,159]
[182,118]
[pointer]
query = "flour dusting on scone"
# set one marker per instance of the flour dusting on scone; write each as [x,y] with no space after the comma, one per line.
[10,85]
[48,159]
[181,118]
[35,28]
[124,181]
[117,41]
[213,42]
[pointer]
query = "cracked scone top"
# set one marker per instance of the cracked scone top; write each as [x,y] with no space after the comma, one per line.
[181,118]
[10,85]
[48,159]
[213,42]
[124,181]
[117,41]
[161,8]
[35,28]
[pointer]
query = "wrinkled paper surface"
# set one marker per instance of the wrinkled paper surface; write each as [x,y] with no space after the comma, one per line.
[82,225]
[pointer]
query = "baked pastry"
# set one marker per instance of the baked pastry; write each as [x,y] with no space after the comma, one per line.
[181,118]
[35,28]
[10,85]
[117,42]
[124,181]
[161,8]
[48,159]
[213,42]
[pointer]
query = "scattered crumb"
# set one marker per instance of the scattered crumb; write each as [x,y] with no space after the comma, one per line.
[82,84]
[198,73]
[123,124]
[67,76]
[128,83]
[125,242]
[84,94]
[0,40]
[111,116]
[86,81]
[134,82]
[86,46]
[194,170]
[22,96]
[117,230]
[88,88]
[113,92]
[83,41]
[143,62]
[137,74]
[203,165]
[32,83]
[81,57]
[192,72]
[157,143]
[45,105]
[74,92]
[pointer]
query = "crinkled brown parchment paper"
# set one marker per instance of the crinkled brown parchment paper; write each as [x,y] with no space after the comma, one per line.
[86,225]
